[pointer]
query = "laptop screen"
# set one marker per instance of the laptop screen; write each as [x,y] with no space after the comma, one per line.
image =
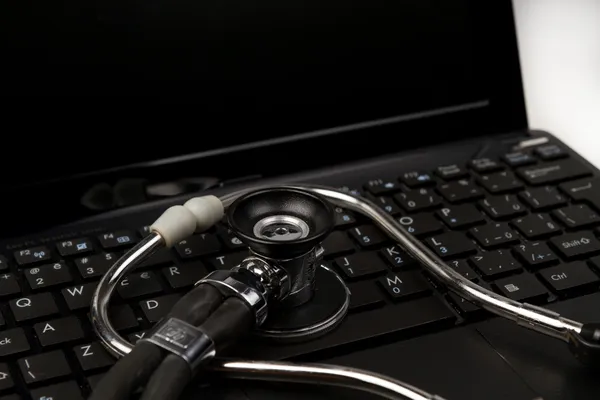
[134,83]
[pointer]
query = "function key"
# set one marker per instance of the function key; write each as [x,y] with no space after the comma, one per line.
[452,171]
[75,246]
[379,186]
[417,179]
[575,245]
[198,245]
[518,159]
[485,165]
[553,172]
[3,263]
[32,255]
[542,198]
[111,240]
[550,152]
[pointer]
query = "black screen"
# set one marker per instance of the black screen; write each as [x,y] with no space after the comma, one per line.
[103,84]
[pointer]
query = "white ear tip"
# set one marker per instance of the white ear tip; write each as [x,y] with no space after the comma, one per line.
[174,225]
[208,210]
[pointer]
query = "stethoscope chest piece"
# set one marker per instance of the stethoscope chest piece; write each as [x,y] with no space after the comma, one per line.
[283,229]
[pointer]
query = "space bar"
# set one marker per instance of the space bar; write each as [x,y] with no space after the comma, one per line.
[398,320]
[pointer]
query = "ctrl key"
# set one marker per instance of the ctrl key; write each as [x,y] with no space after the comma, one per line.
[567,278]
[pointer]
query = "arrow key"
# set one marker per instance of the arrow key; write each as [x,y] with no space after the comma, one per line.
[6,381]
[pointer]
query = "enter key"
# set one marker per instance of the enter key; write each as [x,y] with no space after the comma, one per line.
[587,190]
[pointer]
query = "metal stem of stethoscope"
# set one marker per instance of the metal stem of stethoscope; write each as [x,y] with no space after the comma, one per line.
[530,316]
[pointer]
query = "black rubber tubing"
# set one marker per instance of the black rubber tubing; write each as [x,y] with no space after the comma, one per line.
[132,370]
[229,322]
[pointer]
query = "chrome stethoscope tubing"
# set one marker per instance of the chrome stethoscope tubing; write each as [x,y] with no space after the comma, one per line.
[527,315]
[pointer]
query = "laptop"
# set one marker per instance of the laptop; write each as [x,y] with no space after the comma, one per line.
[121,112]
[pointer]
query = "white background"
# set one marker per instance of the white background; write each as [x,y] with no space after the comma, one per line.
[559,45]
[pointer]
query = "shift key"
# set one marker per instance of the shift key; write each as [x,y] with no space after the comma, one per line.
[576,245]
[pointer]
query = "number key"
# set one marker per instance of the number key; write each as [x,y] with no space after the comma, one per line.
[48,275]
[32,255]
[493,235]
[75,246]
[96,265]
[111,240]
[198,245]
[368,236]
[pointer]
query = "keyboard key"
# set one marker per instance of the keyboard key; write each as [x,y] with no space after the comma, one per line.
[231,241]
[139,284]
[34,306]
[494,235]
[364,295]
[542,198]
[45,366]
[535,226]
[59,391]
[451,245]
[227,261]
[587,190]
[112,240]
[360,265]
[9,285]
[135,337]
[95,266]
[461,216]
[94,380]
[463,268]
[577,216]
[156,308]
[59,331]
[404,285]
[160,257]
[501,207]
[32,255]
[550,152]
[4,265]
[452,171]
[6,380]
[500,182]
[465,307]
[48,275]
[79,296]
[92,356]
[418,200]
[13,341]
[198,245]
[523,287]
[337,243]
[485,165]
[576,245]
[553,172]
[368,236]
[344,217]
[535,254]
[122,317]
[421,225]
[387,204]
[397,258]
[75,246]
[569,278]
[459,191]
[380,187]
[184,276]
[417,179]
[518,159]
[494,264]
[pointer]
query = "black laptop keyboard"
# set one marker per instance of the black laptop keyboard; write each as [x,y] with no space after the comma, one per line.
[524,225]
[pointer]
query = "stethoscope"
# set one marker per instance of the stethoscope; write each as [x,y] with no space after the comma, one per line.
[270,293]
